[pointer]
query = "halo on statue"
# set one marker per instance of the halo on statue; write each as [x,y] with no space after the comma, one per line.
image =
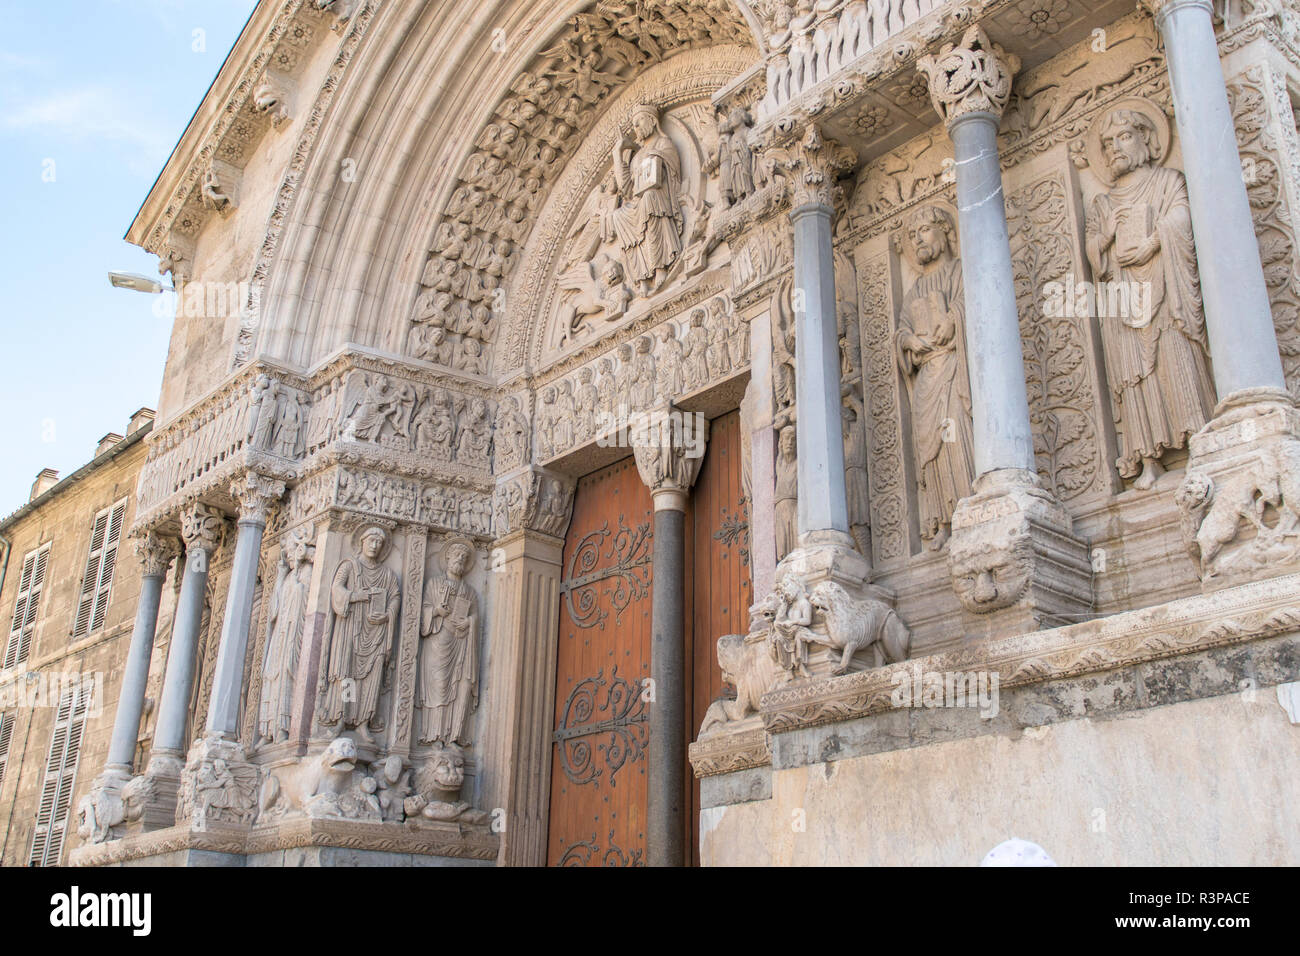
[1161,142]
[366,528]
[903,248]
[454,542]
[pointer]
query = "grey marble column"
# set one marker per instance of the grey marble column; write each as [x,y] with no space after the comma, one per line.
[156,553]
[999,402]
[201,529]
[255,495]
[669,464]
[1238,317]
[823,501]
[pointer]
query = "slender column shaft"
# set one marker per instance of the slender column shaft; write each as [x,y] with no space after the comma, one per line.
[1238,317]
[135,675]
[999,403]
[178,683]
[823,502]
[667,755]
[228,679]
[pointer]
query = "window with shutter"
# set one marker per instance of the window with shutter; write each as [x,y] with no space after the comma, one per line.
[105,535]
[60,776]
[6,733]
[31,581]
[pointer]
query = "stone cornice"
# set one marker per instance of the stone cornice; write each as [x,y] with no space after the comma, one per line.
[1189,625]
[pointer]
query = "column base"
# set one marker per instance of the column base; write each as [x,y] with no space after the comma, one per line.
[824,618]
[102,812]
[1240,497]
[1016,564]
[151,796]
[218,786]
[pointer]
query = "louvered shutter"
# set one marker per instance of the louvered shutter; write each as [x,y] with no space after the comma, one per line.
[6,734]
[60,777]
[90,581]
[107,565]
[30,584]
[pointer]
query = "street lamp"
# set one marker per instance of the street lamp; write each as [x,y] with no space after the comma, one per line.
[138,283]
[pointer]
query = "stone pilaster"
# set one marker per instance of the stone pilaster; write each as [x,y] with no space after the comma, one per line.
[1016,563]
[669,462]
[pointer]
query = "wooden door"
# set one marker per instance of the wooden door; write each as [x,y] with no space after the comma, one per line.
[601,730]
[719,591]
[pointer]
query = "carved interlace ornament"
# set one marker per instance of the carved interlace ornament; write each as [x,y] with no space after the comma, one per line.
[971,77]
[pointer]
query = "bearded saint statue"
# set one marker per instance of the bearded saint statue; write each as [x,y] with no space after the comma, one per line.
[649,221]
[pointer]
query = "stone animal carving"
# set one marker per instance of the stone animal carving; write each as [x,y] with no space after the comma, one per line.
[318,787]
[438,786]
[854,625]
[746,662]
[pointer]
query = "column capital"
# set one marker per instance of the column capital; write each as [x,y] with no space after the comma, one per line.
[816,163]
[973,76]
[669,451]
[202,527]
[155,552]
[255,494]
[1160,8]
[533,499]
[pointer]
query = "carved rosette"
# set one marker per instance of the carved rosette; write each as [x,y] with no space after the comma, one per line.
[202,527]
[669,451]
[817,164]
[973,76]
[256,495]
[155,552]
[1014,553]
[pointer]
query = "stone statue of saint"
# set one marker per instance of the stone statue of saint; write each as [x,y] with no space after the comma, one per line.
[735,158]
[364,598]
[448,682]
[787,493]
[286,616]
[856,484]
[1140,235]
[932,354]
[649,222]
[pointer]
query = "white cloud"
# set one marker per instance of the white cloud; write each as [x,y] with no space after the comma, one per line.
[87,113]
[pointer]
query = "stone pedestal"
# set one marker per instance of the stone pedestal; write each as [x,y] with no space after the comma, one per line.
[1240,497]
[1016,564]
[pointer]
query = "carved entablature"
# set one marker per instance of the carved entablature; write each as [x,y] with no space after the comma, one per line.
[702,347]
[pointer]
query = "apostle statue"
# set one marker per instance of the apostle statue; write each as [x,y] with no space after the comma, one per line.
[787,493]
[1139,235]
[364,598]
[735,158]
[932,354]
[649,222]
[448,680]
[286,616]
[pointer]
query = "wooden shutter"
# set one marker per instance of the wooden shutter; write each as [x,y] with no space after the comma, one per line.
[105,535]
[6,733]
[60,777]
[30,584]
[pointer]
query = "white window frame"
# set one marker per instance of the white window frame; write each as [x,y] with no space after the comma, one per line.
[101,562]
[27,606]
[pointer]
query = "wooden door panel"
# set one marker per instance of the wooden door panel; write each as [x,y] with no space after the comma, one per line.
[601,730]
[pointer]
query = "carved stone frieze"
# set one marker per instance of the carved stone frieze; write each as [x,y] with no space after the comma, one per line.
[533,500]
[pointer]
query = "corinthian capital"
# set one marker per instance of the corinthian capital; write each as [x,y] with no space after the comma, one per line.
[202,527]
[816,163]
[255,494]
[669,447]
[1159,7]
[973,76]
[155,552]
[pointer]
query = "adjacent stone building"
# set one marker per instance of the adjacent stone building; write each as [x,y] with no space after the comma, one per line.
[670,431]
[68,594]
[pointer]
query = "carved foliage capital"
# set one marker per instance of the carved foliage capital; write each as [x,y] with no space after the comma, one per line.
[155,552]
[817,163]
[973,76]
[669,450]
[1159,7]
[201,527]
[256,495]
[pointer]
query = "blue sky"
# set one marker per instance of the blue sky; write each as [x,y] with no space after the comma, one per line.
[96,92]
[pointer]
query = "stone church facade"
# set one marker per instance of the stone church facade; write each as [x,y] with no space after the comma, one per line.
[648,429]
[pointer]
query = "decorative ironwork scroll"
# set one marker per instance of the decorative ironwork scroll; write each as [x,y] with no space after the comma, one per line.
[611,709]
[629,552]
